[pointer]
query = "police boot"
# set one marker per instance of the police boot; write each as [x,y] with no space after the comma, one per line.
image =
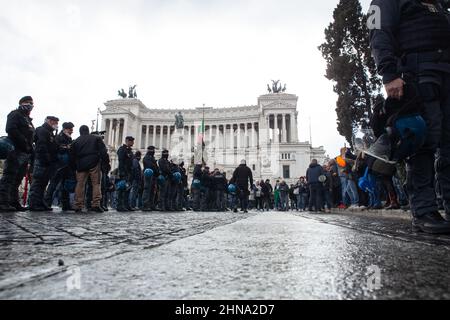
[120,206]
[431,223]
[18,207]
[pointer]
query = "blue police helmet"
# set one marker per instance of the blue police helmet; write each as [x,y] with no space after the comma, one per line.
[161,180]
[6,146]
[148,173]
[177,176]
[121,185]
[70,185]
[196,183]
[232,188]
[365,184]
[410,131]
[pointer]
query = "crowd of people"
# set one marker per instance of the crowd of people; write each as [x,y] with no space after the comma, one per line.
[76,175]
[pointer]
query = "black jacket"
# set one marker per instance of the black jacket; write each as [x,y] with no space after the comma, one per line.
[164,167]
[206,180]
[20,130]
[125,157]
[219,182]
[313,173]
[184,177]
[406,26]
[197,172]
[150,163]
[64,143]
[241,177]
[46,146]
[88,151]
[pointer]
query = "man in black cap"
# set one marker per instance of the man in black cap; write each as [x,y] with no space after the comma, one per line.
[88,153]
[20,131]
[164,185]
[150,182]
[241,178]
[63,171]
[125,157]
[45,161]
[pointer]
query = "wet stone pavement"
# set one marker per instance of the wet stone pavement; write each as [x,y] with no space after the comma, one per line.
[212,255]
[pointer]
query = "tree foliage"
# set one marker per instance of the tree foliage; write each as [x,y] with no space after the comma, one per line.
[350,65]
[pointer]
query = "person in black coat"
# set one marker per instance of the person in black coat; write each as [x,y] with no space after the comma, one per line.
[45,162]
[137,182]
[241,178]
[20,129]
[63,171]
[315,186]
[206,189]
[196,188]
[150,182]
[125,156]
[88,155]
[164,186]
[219,187]
[184,185]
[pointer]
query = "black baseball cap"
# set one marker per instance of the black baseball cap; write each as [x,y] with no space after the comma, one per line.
[129,138]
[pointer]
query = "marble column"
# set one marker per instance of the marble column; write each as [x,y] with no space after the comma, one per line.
[254,142]
[117,131]
[217,137]
[109,130]
[147,136]
[294,130]
[284,131]
[161,130]
[276,138]
[246,140]
[154,136]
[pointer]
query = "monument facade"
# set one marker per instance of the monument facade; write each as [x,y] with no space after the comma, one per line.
[266,135]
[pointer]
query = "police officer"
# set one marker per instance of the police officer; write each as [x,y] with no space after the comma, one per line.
[196,186]
[206,189]
[45,162]
[176,186]
[220,186]
[125,156]
[413,37]
[150,182]
[164,185]
[183,191]
[63,171]
[241,177]
[20,131]
[137,182]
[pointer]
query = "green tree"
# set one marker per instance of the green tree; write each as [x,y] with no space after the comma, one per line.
[350,65]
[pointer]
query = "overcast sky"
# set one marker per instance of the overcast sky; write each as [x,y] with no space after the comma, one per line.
[72,56]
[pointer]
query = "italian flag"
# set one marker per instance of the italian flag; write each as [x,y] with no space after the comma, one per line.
[201,134]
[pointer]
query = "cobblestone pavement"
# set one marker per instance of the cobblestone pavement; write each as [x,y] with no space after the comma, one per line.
[345,255]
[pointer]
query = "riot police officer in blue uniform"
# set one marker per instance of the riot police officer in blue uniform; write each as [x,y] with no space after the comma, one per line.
[164,181]
[20,129]
[410,39]
[150,180]
[45,163]
[125,156]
